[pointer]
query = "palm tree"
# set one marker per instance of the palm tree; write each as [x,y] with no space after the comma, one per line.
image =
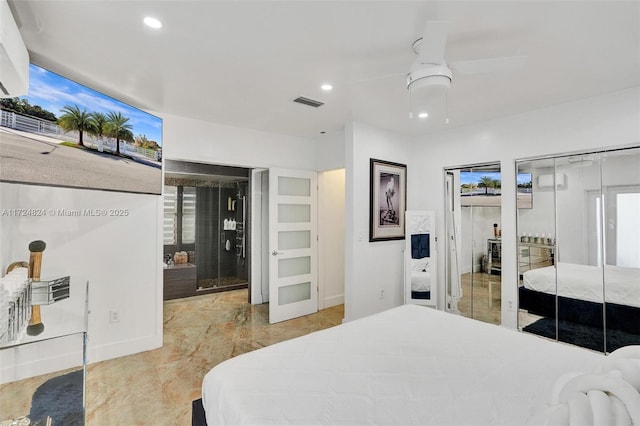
[117,126]
[486,182]
[100,121]
[73,118]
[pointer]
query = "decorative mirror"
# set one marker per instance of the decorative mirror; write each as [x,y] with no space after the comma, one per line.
[419,258]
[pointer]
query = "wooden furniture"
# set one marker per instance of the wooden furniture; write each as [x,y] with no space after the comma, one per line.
[180,281]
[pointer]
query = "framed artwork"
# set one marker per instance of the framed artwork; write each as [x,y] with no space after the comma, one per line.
[91,140]
[388,186]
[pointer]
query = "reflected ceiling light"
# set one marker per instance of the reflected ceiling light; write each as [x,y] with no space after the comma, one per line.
[326,87]
[152,22]
[580,162]
[423,115]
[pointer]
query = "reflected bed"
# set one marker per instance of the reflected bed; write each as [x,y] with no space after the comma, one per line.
[580,295]
[421,278]
[408,365]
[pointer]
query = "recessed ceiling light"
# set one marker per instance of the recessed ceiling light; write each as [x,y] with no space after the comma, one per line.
[152,22]
[423,115]
[326,87]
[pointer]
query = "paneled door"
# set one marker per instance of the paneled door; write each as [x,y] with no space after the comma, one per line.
[293,270]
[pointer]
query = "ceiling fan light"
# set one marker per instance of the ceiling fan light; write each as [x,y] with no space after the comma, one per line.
[429,96]
[442,82]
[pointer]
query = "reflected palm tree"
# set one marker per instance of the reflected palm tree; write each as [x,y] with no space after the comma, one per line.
[486,182]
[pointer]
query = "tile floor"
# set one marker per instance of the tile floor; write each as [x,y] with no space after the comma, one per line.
[156,387]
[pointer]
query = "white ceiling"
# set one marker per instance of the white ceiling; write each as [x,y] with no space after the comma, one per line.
[242,62]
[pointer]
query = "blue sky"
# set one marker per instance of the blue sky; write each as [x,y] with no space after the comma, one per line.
[524,178]
[475,177]
[52,92]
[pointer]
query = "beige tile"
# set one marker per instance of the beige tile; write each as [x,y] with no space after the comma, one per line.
[157,387]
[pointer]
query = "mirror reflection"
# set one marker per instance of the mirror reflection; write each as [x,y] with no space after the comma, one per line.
[579,249]
[419,263]
[474,241]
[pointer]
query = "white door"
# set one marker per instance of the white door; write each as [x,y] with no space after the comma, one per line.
[293,277]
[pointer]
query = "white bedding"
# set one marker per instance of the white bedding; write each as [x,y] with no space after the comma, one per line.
[584,282]
[406,366]
[420,274]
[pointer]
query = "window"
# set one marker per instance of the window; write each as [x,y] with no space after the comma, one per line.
[179,224]
[188,215]
[169,229]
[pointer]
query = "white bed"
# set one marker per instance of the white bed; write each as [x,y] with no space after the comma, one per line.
[406,366]
[584,282]
[420,274]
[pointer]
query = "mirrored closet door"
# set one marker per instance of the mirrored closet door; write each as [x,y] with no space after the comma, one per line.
[474,241]
[579,248]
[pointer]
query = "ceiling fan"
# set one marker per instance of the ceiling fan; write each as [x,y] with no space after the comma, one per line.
[431,75]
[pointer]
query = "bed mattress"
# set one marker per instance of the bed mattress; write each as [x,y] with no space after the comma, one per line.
[410,365]
[584,282]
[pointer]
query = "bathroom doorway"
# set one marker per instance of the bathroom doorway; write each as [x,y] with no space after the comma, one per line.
[205,228]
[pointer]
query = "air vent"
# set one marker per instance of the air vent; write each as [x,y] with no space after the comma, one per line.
[307,101]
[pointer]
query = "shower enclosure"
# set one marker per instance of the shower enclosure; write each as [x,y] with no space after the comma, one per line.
[205,229]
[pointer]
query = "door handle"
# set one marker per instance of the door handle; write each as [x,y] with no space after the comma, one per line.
[275,253]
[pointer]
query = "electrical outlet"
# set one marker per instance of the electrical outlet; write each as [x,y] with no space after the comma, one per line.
[114,316]
[510,305]
[382,293]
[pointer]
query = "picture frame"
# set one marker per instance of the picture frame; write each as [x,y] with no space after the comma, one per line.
[388,200]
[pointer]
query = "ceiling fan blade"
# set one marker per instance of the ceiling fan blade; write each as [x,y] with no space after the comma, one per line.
[377,78]
[480,66]
[434,40]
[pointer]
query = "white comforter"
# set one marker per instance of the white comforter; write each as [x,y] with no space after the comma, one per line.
[410,365]
[584,282]
[421,274]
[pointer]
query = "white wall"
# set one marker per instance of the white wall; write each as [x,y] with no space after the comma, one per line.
[330,151]
[200,141]
[373,271]
[120,256]
[331,199]
[593,123]
[476,228]
[574,232]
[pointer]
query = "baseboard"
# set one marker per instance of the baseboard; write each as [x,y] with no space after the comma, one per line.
[35,359]
[123,348]
[49,356]
[333,301]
